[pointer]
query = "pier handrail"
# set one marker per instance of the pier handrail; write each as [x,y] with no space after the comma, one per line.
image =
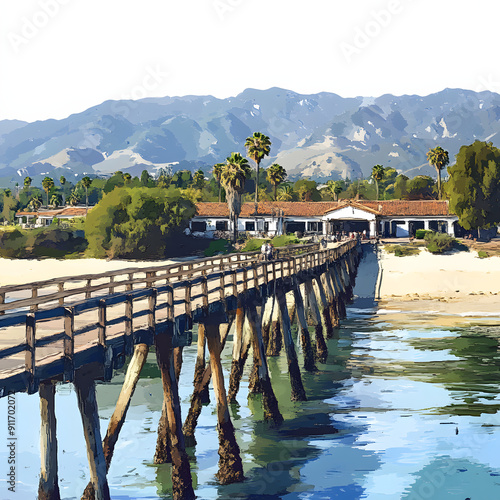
[174,271]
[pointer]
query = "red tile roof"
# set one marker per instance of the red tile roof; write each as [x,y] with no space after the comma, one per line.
[320,208]
[61,212]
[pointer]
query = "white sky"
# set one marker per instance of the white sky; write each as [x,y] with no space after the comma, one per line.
[87,51]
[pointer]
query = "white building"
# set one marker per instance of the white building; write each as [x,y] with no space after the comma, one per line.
[46,217]
[396,218]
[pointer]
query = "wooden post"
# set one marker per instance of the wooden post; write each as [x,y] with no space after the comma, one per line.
[69,344]
[60,289]
[87,403]
[321,348]
[152,310]
[181,473]
[241,348]
[30,357]
[102,322]
[269,401]
[129,325]
[88,293]
[118,418]
[201,386]
[304,330]
[274,346]
[48,487]
[298,392]
[266,320]
[2,301]
[230,465]
[34,295]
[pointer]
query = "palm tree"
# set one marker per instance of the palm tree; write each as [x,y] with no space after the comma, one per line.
[378,174]
[216,172]
[27,182]
[258,146]
[86,182]
[285,193]
[335,188]
[62,180]
[55,200]
[35,203]
[438,158]
[235,172]
[276,174]
[74,199]
[47,185]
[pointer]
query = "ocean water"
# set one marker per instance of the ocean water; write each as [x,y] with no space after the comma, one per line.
[396,412]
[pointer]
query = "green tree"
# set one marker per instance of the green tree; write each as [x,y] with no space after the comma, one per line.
[74,199]
[401,187]
[276,174]
[199,179]
[62,180]
[233,176]
[182,179]
[56,200]
[35,203]
[127,179]
[285,193]
[86,182]
[421,187]
[47,185]
[27,182]
[9,206]
[378,172]
[145,178]
[217,172]
[258,146]
[137,222]
[474,186]
[335,188]
[438,158]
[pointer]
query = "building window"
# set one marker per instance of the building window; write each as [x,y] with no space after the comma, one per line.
[198,226]
[249,226]
[221,225]
[293,226]
[315,227]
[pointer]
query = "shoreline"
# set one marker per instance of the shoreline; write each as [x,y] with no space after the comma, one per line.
[459,284]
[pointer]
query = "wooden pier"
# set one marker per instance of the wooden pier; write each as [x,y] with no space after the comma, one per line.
[79,329]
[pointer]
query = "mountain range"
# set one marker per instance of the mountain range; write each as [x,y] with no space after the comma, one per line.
[320,136]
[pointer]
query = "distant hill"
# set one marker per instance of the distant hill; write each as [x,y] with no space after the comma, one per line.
[322,136]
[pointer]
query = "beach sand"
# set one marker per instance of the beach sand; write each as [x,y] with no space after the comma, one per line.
[21,271]
[459,284]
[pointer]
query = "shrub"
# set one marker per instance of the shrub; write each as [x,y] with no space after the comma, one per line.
[420,233]
[401,251]
[439,242]
[482,254]
[138,222]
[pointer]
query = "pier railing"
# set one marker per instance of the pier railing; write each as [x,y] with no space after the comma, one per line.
[67,322]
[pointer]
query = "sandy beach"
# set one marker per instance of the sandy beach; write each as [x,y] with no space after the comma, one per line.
[20,271]
[459,284]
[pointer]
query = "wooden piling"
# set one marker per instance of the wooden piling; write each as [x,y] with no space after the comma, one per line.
[230,465]
[298,393]
[269,401]
[200,387]
[266,320]
[330,323]
[87,403]
[241,348]
[275,342]
[321,348]
[118,418]
[182,487]
[48,487]
[304,330]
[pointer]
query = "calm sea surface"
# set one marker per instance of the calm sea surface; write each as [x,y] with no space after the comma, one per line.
[402,409]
